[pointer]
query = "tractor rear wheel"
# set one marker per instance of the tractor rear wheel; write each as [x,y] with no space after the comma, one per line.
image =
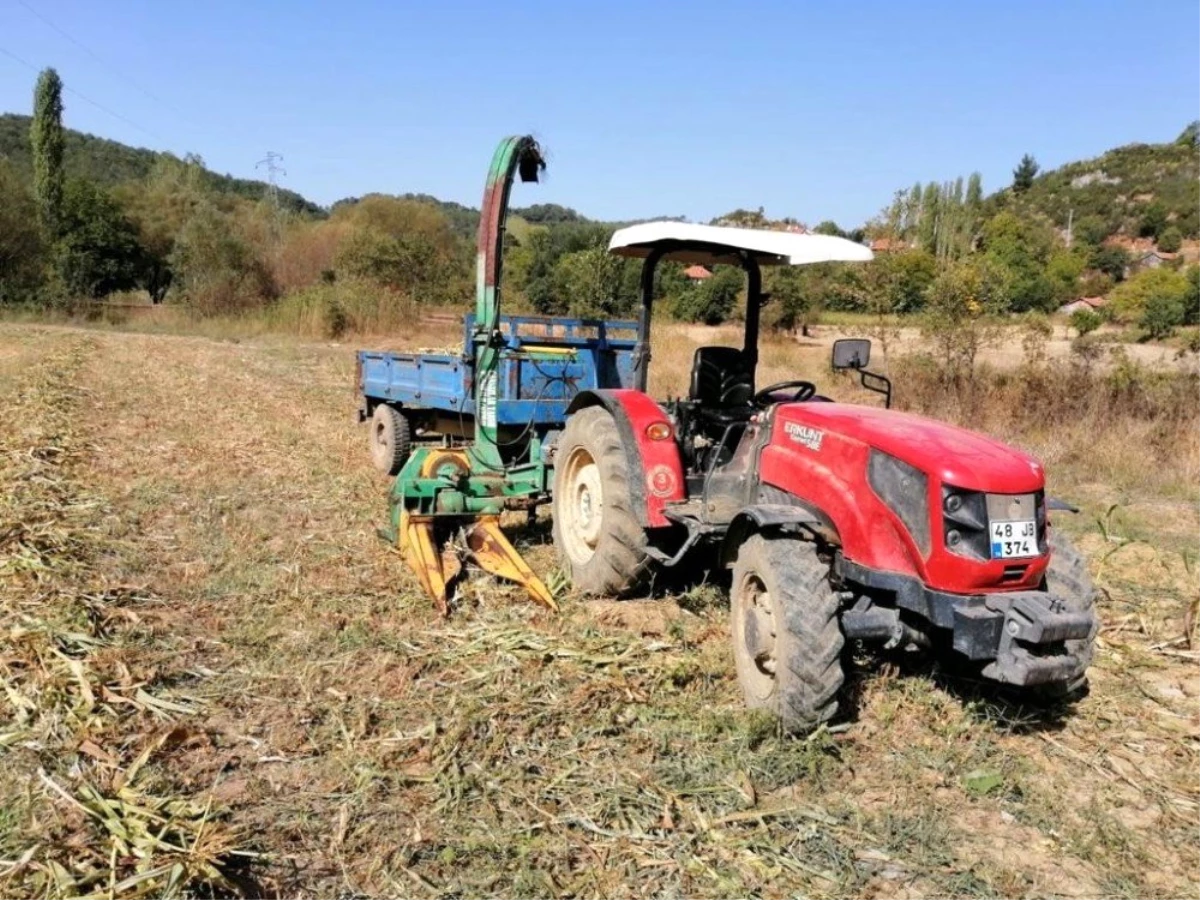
[600,543]
[1067,578]
[391,439]
[787,640]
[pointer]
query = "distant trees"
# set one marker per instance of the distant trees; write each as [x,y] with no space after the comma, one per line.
[21,245]
[1190,136]
[942,219]
[1024,174]
[1021,248]
[1156,300]
[97,252]
[712,301]
[1154,220]
[46,139]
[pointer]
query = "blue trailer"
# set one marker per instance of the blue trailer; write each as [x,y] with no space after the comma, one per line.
[543,363]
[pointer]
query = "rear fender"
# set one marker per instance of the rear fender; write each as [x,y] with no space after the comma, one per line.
[655,467]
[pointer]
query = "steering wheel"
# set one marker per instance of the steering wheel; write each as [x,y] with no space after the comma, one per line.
[804,391]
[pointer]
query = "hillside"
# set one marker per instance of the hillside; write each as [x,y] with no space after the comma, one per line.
[109,163]
[1129,189]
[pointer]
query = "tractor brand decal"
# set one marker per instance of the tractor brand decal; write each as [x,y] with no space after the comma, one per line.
[661,481]
[802,434]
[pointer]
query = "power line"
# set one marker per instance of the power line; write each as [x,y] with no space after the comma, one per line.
[96,56]
[85,99]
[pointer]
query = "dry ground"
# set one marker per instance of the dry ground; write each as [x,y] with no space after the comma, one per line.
[191,538]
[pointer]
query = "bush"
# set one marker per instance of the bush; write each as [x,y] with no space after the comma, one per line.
[349,305]
[216,268]
[1162,315]
[1167,288]
[712,301]
[1085,321]
[1170,240]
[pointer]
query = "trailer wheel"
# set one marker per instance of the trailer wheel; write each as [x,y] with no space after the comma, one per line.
[391,439]
[599,541]
[1067,577]
[787,640]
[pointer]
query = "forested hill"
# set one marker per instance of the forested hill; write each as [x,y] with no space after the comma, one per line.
[1133,190]
[108,163]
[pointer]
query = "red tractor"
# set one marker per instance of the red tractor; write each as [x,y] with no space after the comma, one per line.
[839,521]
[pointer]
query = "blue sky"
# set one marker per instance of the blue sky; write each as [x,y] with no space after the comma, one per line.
[813,110]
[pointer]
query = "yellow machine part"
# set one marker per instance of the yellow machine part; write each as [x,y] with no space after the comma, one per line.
[421,546]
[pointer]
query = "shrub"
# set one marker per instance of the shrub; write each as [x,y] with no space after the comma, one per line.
[1085,321]
[346,306]
[1170,240]
[1162,315]
[216,268]
[1131,298]
[712,301]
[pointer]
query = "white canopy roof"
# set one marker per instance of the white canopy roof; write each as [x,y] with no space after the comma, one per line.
[711,244]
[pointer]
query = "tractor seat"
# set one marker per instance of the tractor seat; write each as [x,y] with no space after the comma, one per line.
[722,383]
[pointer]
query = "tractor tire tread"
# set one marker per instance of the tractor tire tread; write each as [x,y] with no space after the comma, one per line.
[620,567]
[1068,577]
[812,651]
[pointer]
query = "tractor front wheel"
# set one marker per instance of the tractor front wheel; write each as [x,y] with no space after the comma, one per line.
[787,640]
[600,543]
[391,439]
[1069,580]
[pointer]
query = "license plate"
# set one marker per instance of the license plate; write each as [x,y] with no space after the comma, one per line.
[1011,540]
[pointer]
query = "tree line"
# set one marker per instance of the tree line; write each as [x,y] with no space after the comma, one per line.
[178,233]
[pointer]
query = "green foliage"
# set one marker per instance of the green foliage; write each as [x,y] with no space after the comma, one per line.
[1085,321]
[1154,220]
[1090,231]
[1022,248]
[405,244]
[940,219]
[964,302]
[899,282]
[1163,289]
[1112,261]
[1063,270]
[549,214]
[1191,296]
[1117,188]
[1162,314]
[592,283]
[1024,174]
[1170,239]
[159,206]
[22,249]
[1190,136]
[98,252]
[215,266]
[793,302]
[829,227]
[711,301]
[46,147]
[109,163]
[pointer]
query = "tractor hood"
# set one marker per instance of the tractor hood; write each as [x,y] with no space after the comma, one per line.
[954,455]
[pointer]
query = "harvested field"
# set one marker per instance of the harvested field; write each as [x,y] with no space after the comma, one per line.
[216,679]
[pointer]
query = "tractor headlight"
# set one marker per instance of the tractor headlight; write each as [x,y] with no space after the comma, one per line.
[905,489]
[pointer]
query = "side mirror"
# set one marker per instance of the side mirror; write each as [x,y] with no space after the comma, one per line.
[851,353]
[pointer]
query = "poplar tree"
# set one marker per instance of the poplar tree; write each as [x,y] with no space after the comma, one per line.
[46,137]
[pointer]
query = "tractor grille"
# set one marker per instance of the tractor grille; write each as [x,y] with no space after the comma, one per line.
[965,522]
